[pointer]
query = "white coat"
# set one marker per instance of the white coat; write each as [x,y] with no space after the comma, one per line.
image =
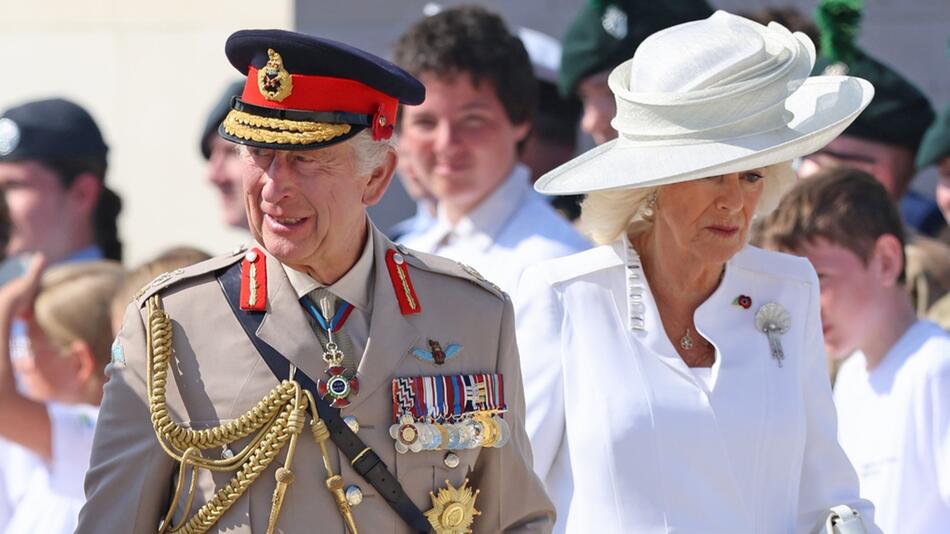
[632,441]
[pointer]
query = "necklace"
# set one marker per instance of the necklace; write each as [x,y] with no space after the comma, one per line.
[686,342]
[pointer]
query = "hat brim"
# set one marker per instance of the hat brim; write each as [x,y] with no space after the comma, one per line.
[818,112]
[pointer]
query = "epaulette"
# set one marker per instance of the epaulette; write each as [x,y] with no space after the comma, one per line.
[441,265]
[170,278]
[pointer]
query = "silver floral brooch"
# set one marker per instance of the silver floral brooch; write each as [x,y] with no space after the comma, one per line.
[773,320]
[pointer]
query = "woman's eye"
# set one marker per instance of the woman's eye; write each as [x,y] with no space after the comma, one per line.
[752,177]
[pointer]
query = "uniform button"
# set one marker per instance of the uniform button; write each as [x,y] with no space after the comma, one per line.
[451,460]
[352,423]
[397,257]
[251,256]
[354,495]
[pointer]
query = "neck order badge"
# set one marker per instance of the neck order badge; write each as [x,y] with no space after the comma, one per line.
[339,384]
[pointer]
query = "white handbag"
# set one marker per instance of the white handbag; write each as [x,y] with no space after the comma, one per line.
[843,519]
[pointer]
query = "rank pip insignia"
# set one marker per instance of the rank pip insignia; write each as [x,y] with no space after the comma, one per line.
[273,81]
[435,354]
[453,509]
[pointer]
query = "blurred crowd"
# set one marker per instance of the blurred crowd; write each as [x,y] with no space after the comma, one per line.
[493,122]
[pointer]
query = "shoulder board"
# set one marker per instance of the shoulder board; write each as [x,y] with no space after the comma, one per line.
[441,265]
[170,278]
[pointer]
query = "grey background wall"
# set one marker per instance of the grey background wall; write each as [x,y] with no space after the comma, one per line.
[910,35]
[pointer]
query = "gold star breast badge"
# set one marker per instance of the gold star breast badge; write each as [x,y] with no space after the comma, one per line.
[453,509]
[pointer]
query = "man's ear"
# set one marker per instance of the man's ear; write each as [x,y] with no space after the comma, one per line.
[889,259]
[85,191]
[379,178]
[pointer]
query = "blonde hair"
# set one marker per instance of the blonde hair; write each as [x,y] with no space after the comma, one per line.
[73,304]
[605,215]
[171,259]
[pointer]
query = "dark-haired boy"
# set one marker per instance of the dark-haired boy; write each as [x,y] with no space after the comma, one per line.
[893,391]
[463,144]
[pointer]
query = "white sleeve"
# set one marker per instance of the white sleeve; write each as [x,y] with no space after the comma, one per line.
[72,429]
[828,478]
[932,420]
[538,318]
[6,502]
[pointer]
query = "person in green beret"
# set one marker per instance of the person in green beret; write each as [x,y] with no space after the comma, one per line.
[935,150]
[883,141]
[604,34]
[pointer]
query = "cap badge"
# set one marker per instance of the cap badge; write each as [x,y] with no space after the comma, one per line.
[273,80]
[614,22]
[9,136]
[836,69]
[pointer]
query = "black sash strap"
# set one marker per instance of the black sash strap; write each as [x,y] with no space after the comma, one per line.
[366,462]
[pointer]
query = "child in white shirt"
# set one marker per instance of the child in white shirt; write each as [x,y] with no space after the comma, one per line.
[48,429]
[893,391]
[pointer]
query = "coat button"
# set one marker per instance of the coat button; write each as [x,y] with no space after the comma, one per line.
[354,495]
[451,460]
[352,423]
[251,256]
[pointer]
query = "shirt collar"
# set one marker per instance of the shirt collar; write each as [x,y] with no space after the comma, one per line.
[92,252]
[354,287]
[490,216]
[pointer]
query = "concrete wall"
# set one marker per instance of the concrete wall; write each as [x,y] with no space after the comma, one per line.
[148,72]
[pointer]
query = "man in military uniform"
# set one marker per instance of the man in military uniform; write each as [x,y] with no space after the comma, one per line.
[222,416]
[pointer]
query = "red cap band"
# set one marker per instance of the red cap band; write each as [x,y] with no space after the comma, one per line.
[328,94]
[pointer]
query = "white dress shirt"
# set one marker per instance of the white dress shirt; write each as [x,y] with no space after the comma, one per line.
[894,424]
[508,231]
[634,441]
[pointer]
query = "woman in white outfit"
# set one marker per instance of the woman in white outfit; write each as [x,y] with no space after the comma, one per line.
[689,391]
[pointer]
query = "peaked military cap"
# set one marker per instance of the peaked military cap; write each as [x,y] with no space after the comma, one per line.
[899,113]
[605,33]
[52,129]
[305,92]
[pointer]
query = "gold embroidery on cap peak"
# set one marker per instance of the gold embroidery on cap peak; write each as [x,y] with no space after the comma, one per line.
[281,131]
[273,80]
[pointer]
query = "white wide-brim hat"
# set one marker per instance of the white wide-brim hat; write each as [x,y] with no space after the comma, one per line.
[711,97]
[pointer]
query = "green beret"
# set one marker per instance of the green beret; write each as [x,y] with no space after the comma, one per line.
[606,33]
[899,113]
[936,143]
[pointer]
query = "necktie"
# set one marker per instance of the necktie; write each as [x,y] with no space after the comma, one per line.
[332,311]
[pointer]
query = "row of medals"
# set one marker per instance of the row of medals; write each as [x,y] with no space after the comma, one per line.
[479,429]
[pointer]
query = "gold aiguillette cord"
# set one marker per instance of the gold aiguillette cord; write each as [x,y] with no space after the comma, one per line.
[334,483]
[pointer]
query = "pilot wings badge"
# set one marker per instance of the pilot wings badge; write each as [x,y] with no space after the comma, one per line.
[436,354]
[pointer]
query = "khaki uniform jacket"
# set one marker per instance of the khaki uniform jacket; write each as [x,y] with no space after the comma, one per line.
[927,271]
[216,375]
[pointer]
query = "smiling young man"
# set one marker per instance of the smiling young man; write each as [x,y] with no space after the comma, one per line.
[893,391]
[463,144]
[326,379]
